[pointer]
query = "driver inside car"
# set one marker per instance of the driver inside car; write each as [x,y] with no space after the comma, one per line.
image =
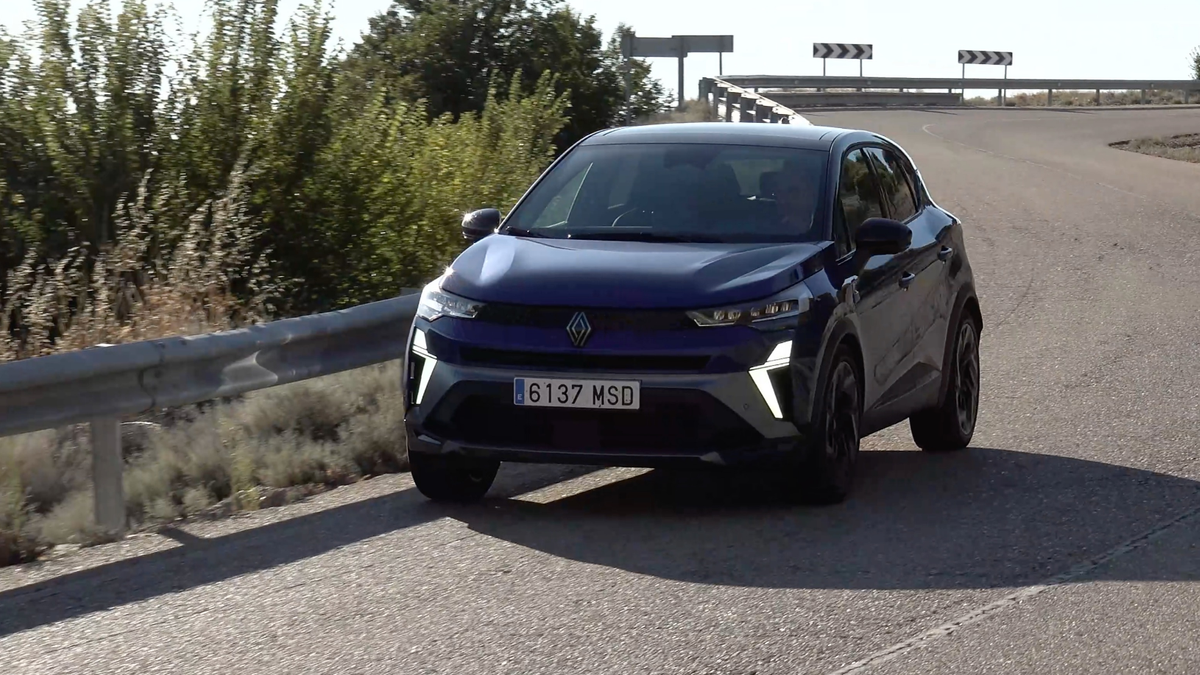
[795,200]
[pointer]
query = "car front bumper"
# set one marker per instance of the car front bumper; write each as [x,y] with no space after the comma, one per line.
[709,418]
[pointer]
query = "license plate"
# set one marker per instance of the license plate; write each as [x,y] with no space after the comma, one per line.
[594,394]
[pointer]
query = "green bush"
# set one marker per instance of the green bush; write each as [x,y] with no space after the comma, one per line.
[152,185]
[335,179]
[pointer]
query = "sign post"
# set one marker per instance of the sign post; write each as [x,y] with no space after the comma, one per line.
[986,58]
[676,46]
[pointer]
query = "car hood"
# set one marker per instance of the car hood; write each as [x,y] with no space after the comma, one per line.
[588,273]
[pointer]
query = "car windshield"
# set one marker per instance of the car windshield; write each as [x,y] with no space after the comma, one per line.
[677,192]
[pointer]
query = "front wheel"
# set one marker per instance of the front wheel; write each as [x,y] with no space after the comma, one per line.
[452,479]
[952,426]
[825,470]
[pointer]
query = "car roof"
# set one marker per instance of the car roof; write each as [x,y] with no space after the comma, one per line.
[777,135]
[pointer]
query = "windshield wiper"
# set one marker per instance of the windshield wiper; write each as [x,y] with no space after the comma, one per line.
[520,232]
[649,236]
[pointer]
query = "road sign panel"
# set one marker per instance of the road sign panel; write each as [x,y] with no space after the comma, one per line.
[697,44]
[983,57]
[838,50]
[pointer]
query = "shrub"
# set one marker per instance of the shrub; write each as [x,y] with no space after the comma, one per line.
[146,193]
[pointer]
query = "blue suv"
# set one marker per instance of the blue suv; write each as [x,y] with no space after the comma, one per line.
[705,294]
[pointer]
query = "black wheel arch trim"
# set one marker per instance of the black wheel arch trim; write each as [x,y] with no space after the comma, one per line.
[842,329]
[966,295]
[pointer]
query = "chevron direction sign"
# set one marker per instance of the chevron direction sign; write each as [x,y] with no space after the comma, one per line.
[986,58]
[837,50]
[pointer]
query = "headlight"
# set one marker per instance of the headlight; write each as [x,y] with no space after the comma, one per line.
[792,302]
[436,303]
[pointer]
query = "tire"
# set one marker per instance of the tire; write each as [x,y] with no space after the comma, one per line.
[827,463]
[452,479]
[952,426]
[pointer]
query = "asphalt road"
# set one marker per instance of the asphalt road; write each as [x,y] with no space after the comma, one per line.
[1065,541]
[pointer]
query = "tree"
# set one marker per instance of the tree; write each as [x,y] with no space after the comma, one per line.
[451,52]
[339,185]
[1195,63]
[647,95]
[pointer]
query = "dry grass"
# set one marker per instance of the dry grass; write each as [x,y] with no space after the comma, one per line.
[129,290]
[1085,99]
[335,430]
[180,463]
[694,110]
[1185,147]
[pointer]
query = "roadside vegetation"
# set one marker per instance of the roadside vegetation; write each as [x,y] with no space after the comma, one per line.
[694,110]
[1184,147]
[156,184]
[1085,99]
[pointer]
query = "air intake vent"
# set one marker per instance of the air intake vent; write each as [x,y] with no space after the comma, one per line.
[645,363]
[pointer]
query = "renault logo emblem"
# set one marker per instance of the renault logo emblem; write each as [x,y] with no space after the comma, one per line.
[579,329]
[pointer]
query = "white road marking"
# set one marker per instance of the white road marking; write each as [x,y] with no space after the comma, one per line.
[1020,595]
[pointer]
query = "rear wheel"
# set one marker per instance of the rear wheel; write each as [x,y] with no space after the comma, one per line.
[825,470]
[951,426]
[452,479]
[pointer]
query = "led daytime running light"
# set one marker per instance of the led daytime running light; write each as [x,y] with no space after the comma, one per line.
[421,348]
[780,357]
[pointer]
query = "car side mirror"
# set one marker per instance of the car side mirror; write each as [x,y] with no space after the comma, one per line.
[478,224]
[882,236]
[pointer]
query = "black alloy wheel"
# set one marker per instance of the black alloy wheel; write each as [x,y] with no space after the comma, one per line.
[952,426]
[826,471]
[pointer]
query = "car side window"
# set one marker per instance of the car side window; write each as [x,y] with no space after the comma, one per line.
[858,197]
[897,190]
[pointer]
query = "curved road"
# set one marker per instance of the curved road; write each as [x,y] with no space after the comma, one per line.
[1066,540]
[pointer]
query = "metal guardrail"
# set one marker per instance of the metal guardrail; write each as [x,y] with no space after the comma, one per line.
[950,84]
[802,100]
[102,385]
[731,103]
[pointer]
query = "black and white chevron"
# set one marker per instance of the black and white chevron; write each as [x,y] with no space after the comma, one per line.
[837,50]
[973,56]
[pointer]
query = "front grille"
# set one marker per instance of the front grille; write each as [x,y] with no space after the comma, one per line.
[669,421]
[600,319]
[480,356]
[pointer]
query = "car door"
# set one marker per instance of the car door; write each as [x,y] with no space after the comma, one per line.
[916,356]
[876,293]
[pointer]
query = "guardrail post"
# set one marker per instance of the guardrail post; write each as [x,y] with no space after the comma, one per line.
[1143,97]
[746,113]
[1049,97]
[733,100]
[108,466]
[1097,98]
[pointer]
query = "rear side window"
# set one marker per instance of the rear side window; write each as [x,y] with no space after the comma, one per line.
[895,183]
[858,198]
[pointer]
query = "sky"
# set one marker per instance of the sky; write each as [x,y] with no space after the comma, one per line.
[1061,39]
